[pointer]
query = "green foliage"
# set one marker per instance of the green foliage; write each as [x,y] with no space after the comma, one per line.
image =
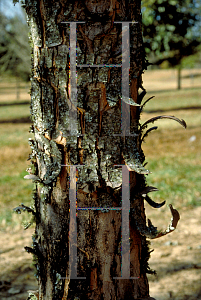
[192,60]
[170,29]
[14,47]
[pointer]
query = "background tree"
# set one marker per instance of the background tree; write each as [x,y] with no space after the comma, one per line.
[171,30]
[63,155]
[14,47]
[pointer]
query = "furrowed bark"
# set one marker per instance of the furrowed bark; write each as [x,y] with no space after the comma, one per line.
[98,146]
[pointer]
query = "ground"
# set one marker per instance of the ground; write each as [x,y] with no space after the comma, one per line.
[176,259]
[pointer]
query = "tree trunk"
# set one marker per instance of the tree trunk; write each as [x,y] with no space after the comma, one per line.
[179,78]
[82,130]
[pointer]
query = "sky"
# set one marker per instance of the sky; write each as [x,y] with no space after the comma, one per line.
[7,8]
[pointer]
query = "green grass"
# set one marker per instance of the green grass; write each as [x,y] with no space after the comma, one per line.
[173,160]
[14,112]
[177,179]
[14,135]
[173,99]
[14,189]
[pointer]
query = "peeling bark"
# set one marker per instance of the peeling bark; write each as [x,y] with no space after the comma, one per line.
[98,146]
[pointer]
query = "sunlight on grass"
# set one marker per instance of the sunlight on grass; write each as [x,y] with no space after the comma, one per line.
[175,165]
[14,189]
[178,184]
[173,99]
[14,112]
[13,135]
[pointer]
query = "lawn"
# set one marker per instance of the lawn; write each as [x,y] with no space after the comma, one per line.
[173,157]
[14,189]
[172,153]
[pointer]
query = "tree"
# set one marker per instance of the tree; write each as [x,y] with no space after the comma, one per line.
[90,241]
[171,31]
[14,47]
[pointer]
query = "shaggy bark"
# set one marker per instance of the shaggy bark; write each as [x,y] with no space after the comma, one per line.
[95,149]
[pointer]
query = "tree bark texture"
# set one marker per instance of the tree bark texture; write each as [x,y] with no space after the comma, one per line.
[96,148]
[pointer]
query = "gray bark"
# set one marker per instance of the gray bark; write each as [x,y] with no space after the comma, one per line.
[96,147]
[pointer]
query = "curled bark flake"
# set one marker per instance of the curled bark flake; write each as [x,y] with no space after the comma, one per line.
[148,189]
[22,207]
[154,204]
[146,102]
[30,250]
[152,120]
[132,157]
[32,177]
[129,101]
[141,96]
[173,223]
[147,132]
[151,231]
[148,231]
